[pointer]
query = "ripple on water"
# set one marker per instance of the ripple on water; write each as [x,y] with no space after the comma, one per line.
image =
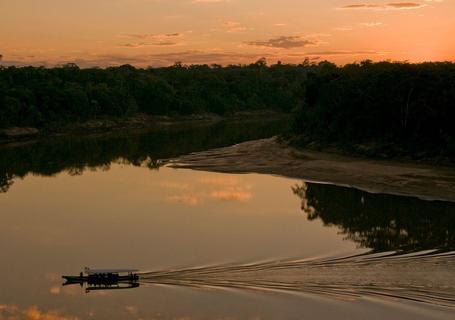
[424,276]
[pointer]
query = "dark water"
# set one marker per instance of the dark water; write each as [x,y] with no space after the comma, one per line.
[210,246]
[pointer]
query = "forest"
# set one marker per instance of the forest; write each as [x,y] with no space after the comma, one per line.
[41,97]
[382,108]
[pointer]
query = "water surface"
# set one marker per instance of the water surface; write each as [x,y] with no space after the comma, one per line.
[210,245]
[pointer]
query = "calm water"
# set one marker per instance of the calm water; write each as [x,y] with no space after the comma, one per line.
[211,246]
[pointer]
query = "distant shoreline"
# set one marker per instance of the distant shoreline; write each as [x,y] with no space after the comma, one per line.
[137,121]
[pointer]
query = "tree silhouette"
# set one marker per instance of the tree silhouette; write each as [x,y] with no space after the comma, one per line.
[378,221]
[147,149]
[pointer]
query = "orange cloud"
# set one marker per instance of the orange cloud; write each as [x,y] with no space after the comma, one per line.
[284,42]
[166,39]
[387,6]
[210,1]
[193,57]
[233,26]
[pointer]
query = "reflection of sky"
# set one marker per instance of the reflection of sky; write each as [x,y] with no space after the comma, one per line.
[135,206]
[199,191]
[156,303]
[12,312]
[136,217]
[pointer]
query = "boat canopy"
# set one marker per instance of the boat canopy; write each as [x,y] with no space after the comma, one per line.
[104,271]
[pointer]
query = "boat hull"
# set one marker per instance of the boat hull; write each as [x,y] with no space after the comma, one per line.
[100,279]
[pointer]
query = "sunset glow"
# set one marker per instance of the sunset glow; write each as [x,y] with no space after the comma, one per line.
[161,32]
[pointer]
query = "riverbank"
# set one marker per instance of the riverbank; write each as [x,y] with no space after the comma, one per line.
[137,121]
[270,156]
[374,150]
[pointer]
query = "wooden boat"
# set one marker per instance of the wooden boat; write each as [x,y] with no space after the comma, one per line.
[103,276]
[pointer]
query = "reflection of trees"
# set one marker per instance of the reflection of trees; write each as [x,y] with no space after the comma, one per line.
[77,154]
[5,181]
[379,221]
[301,191]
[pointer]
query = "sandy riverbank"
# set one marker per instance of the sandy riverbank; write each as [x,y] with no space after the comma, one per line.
[269,156]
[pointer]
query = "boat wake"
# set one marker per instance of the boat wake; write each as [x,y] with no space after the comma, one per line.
[426,276]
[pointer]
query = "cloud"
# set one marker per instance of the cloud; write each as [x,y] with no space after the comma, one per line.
[151,36]
[138,45]
[87,60]
[204,57]
[233,26]
[166,39]
[133,45]
[347,52]
[371,24]
[284,42]
[364,24]
[345,28]
[209,1]
[387,6]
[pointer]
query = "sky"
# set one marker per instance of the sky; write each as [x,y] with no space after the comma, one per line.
[162,32]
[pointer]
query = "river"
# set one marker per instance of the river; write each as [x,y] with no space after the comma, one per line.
[210,245]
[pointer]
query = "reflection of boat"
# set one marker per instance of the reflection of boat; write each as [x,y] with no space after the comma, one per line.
[116,286]
[105,279]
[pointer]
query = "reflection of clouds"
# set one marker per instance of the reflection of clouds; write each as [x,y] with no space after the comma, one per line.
[12,312]
[4,308]
[231,195]
[175,185]
[191,200]
[221,188]
[131,310]
[99,293]
[55,290]
[220,181]
[54,277]
[75,290]
[71,290]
